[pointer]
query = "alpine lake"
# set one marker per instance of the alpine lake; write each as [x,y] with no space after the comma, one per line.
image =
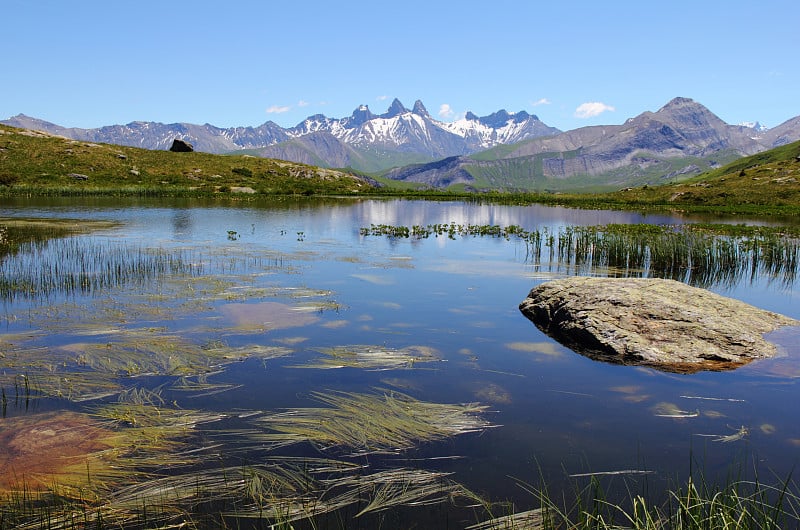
[352,363]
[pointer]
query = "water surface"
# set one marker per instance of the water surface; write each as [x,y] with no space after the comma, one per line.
[298,275]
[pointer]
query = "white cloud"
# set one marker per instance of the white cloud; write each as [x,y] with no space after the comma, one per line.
[303,103]
[381,98]
[445,111]
[543,101]
[592,109]
[278,109]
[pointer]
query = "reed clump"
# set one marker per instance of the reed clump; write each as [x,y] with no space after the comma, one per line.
[698,254]
[697,505]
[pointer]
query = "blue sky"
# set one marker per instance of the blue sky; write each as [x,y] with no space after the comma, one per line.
[237,63]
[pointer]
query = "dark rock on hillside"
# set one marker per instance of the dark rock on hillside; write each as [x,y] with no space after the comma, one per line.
[663,324]
[181,146]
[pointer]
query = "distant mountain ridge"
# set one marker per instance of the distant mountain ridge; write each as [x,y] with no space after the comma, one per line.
[681,139]
[363,140]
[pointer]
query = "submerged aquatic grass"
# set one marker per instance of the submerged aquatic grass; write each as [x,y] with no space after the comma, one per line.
[150,472]
[387,422]
[374,357]
[82,371]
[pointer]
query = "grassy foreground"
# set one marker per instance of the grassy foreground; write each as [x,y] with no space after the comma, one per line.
[35,163]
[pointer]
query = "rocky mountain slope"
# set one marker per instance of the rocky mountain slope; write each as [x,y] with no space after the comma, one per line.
[680,140]
[363,140]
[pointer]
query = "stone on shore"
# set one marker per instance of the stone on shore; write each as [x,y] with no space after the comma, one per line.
[181,146]
[663,324]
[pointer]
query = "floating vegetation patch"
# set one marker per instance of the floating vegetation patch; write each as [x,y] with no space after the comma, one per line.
[373,357]
[335,324]
[544,348]
[670,410]
[83,370]
[19,232]
[374,279]
[698,254]
[246,292]
[493,393]
[266,316]
[389,422]
[398,487]
[631,393]
[528,520]
[739,434]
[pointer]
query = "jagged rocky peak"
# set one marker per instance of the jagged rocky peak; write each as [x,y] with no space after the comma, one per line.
[500,118]
[316,117]
[679,103]
[395,109]
[689,113]
[420,109]
[360,116]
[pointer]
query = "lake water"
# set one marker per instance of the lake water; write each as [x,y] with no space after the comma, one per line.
[298,275]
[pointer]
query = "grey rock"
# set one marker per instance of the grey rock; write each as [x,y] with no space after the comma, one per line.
[181,146]
[663,324]
[78,176]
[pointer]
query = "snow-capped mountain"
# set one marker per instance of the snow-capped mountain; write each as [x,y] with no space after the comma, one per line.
[756,126]
[499,128]
[374,142]
[415,131]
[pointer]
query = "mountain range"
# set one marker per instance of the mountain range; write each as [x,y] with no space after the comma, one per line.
[512,151]
[680,140]
[363,140]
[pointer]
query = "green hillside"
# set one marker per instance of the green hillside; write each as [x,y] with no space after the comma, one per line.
[770,179]
[528,174]
[37,163]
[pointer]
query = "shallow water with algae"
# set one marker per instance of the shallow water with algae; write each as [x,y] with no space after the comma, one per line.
[348,363]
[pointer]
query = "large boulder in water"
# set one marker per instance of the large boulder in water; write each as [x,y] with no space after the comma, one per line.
[664,324]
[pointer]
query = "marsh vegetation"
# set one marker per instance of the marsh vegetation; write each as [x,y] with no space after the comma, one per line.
[698,254]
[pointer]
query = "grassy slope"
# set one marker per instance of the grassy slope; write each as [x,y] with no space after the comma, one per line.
[33,162]
[527,173]
[766,181]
